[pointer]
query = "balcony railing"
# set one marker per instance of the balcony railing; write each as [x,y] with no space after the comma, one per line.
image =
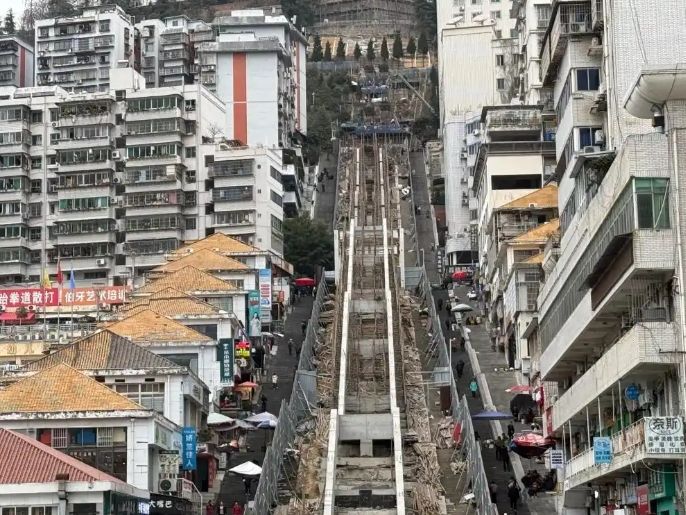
[570,20]
[514,119]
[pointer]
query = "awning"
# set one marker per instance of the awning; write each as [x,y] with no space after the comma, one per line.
[611,252]
[11,318]
[305,281]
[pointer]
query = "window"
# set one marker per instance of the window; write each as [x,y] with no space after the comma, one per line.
[498,34]
[190,176]
[35,233]
[84,204]
[500,84]
[191,224]
[105,26]
[500,60]
[586,136]
[276,198]
[101,274]
[190,152]
[224,303]
[275,174]
[36,186]
[54,115]
[495,15]
[588,79]
[190,198]
[148,395]
[37,139]
[514,33]
[36,116]
[36,163]
[652,203]
[54,138]
[233,218]
[235,193]
[565,95]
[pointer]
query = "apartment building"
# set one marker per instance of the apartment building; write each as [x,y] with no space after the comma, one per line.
[16,62]
[77,53]
[610,320]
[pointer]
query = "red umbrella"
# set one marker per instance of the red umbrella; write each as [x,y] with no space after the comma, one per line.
[247,384]
[457,276]
[520,388]
[304,281]
[533,440]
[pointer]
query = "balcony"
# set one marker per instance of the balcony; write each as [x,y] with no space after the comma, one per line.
[86,166]
[571,19]
[13,243]
[648,348]
[80,143]
[227,169]
[155,160]
[152,114]
[597,18]
[511,124]
[628,450]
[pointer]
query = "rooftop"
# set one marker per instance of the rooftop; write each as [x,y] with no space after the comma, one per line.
[538,258]
[545,198]
[539,234]
[62,388]
[150,327]
[203,259]
[189,280]
[218,242]
[170,302]
[104,350]
[26,460]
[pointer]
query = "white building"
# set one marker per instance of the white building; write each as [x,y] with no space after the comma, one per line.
[77,53]
[71,412]
[16,62]
[37,478]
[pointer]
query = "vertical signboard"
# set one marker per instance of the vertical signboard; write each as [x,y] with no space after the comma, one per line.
[189,448]
[266,295]
[602,449]
[254,314]
[226,360]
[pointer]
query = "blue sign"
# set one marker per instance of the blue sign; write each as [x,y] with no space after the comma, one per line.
[189,449]
[602,449]
[632,392]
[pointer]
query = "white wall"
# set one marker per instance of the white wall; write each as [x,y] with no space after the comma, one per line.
[225,88]
[263,96]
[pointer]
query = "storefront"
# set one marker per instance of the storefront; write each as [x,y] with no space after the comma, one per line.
[662,489]
[169,505]
[120,504]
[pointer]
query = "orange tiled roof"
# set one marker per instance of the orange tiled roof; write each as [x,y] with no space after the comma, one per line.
[187,279]
[204,259]
[170,303]
[544,198]
[538,258]
[62,388]
[218,242]
[540,233]
[150,327]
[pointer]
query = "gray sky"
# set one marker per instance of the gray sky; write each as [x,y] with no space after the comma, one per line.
[16,5]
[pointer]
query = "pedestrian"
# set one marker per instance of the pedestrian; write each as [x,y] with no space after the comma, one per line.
[473,387]
[263,402]
[448,307]
[439,304]
[459,368]
[463,342]
[314,288]
[298,349]
[506,460]
[221,509]
[510,430]
[493,490]
[513,494]
[303,326]
[247,483]
[447,324]
[290,347]
[499,447]
[209,509]
[477,437]
[323,188]
[237,509]
[275,381]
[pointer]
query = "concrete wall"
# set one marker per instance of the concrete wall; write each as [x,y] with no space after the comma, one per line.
[366,427]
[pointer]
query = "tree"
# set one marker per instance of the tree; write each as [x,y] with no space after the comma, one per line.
[422,45]
[327,51]
[307,244]
[213,130]
[411,47]
[427,18]
[397,47]
[300,12]
[340,50]
[10,27]
[384,50]
[357,53]
[371,55]
[317,54]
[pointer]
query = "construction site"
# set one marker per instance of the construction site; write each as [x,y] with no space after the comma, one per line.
[365,18]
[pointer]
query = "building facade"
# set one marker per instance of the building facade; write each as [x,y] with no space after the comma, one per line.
[16,62]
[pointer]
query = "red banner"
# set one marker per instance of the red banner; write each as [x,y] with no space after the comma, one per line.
[643,504]
[548,422]
[13,298]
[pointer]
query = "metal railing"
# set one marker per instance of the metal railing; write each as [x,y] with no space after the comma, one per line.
[299,407]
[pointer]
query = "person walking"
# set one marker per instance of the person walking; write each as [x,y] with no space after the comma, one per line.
[237,509]
[298,349]
[209,509]
[499,447]
[221,509]
[473,387]
[459,369]
[448,307]
[506,460]
[439,304]
[303,326]
[275,381]
[493,491]
[247,483]
[263,403]
[447,324]
[513,494]
[290,347]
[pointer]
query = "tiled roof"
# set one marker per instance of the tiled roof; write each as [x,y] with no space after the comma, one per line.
[62,388]
[546,197]
[219,243]
[187,279]
[538,258]
[540,233]
[26,460]
[150,327]
[171,303]
[103,350]
[204,259]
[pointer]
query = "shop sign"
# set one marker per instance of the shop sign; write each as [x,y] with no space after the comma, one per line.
[254,314]
[242,349]
[169,464]
[265,285]
[630,496]
[557,460]
[211,471]
[12,298]
[189,453]
[166,438]
[225,357]
[664,435]
[643,501]
[169,505]
[548,421]
[602,449]
[125,505]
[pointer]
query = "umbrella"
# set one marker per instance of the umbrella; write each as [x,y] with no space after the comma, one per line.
[267,424]
[265,416]
[522,402]
[457,276]
[234,444]
[247,469]
[461,308]
[241,424]
[531,445]
[217,419]
[520,388]
[492,415]
[247,384]
[304,281]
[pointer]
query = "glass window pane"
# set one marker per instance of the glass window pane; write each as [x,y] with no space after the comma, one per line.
[582,80]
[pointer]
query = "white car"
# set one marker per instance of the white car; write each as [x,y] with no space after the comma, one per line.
[472,295]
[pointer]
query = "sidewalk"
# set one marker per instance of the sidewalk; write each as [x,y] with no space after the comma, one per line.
[283,364]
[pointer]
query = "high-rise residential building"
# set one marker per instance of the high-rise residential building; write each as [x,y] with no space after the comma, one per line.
[77,53]
[16,62]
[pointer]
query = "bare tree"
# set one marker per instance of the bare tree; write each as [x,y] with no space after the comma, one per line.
[214,130]
[508,69]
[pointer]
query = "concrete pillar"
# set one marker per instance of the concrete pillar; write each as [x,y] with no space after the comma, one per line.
[366,449]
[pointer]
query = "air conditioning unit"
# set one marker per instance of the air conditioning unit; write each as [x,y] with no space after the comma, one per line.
[115,180]
[463,154]
[476,132]
[101,262]
[591,149]
[595,41]
[52,167]
[465,202]
[602,89]
[599,136]
[116,155]
[167,486]
[463,180]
